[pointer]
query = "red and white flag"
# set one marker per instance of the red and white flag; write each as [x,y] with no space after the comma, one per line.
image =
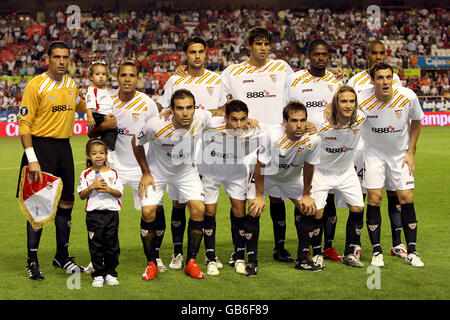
[37,201]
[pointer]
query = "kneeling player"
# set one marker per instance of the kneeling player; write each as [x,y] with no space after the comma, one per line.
[335,171]
[283,152]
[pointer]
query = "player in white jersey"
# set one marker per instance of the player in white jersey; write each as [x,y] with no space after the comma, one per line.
[335,171]
[315,88]
[389,149]
[131,109]
[376,53]
[260,83]
[170,161]
[226,142]
[207,89]
[285,152]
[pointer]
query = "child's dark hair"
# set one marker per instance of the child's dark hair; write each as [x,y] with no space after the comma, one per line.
[89,144]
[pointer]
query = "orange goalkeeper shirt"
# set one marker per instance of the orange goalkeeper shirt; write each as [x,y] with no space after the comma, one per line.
[48,107]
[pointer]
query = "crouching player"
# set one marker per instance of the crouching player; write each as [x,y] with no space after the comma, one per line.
[226,142]
[335,171]
[169,161]
[283,152]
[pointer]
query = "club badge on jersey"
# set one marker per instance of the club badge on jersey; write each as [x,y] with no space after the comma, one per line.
[37,201]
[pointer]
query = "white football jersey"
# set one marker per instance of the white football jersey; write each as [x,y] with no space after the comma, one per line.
[339,142]
[171,150]
[314,92]
[283,157]
[261,88]
[362,81]
[99,100]
[207,90]
[387,123]
[131,116]
[101,200]
[222,146]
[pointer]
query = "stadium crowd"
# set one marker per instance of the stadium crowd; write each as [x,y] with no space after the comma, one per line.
[154,40]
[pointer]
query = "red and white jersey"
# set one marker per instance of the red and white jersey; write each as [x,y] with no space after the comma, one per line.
[261,88]
[339,141]
[99,100]
[171,150]
[131,116]
[362,81]
[101,200]
[387,123]
[314,92]
[283,157]
[207,90]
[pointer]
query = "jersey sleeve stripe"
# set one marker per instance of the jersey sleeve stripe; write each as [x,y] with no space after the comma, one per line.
[366,101]
[405,102]
[326,75]
[49,82]
[298,79]
[190,80]
[373,105]
[163,130]
[203,78]
[193,128]
[308,80]
[120,105]
[278,63]
[140,106]
[43,83]
[302,142]
[362,75]
[170,133]
[181,79]
[326,128]
[212,79]
[364,81]
[133,103]
[289,145]
[266,67]
[282,141]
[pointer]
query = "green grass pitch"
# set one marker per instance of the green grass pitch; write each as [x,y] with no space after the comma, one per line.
[275,281]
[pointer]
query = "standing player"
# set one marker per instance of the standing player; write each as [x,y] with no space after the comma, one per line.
[260,84]
[315,88]
[376,53]
[285,152]
[131,109]
[389,149]
[207,89]
[335,171]
[169,161]
[46,123]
